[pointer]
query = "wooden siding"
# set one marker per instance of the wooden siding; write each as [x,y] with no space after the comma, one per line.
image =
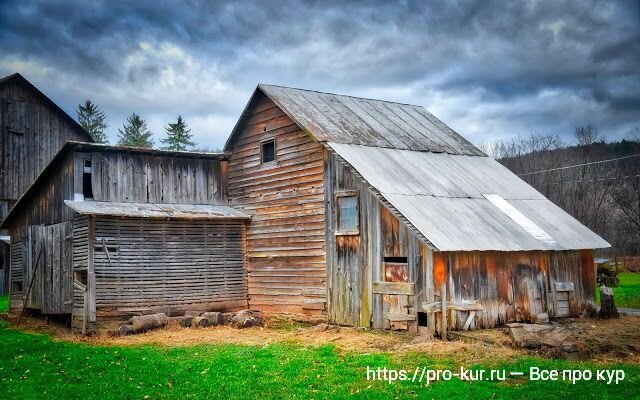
[32,132]
[45,206]
[79,318]
[16,274]
[514,286]
[285,239]
[176,265]
[137,178]
[355,262]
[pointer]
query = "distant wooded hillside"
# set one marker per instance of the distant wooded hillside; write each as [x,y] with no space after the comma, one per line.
[597,182]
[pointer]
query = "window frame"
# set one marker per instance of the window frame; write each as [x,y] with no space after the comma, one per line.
[275,153]
[347,193]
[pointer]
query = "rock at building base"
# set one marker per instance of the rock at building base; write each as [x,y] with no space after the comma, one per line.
[246,319]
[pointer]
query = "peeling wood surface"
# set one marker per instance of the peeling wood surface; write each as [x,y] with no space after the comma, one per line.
[286,236]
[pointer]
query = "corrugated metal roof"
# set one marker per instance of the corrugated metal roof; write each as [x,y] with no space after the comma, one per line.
[149,210]
[354,120]
[444,197]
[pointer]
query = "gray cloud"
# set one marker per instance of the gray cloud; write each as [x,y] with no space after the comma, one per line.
[489,69]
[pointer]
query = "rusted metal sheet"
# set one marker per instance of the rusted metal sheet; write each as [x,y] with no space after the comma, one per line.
[346,119]
[149,210]
[444,197]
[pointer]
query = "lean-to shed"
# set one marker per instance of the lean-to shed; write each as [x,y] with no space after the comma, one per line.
[378,214]
[106,232]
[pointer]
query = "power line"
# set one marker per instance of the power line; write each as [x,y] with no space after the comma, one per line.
[580,165]
[592,180]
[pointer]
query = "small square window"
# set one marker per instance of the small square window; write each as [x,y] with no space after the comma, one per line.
[268,151]
[347,213]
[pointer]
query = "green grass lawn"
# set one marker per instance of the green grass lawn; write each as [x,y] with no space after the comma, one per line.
[4,303]
[33,366]
[627,293]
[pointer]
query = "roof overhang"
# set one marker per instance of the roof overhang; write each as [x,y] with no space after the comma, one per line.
[153,210]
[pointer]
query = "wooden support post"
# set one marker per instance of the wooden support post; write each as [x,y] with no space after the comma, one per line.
[443,299]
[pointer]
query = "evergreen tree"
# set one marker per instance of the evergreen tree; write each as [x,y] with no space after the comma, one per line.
[92,119]
[178,136]
[135,133]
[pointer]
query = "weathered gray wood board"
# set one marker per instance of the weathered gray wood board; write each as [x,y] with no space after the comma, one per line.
[136,266]
[125,177]
[285,239]
[32,130]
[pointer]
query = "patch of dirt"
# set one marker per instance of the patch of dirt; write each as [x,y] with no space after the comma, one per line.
[606,340]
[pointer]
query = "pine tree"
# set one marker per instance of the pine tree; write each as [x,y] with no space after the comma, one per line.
[135,133]
[92,119]
[178,136]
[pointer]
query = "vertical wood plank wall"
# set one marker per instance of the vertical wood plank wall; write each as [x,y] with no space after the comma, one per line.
[355,262]
[514,286]
[32,132]
[124,177]
[286,236]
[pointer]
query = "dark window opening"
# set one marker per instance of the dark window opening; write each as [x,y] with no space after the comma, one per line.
[269,151]
[80,276]
[16,286]
[347,213]
[395,259]
[87,190]
[422,319]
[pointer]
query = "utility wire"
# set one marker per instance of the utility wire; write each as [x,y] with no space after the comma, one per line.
[580,165]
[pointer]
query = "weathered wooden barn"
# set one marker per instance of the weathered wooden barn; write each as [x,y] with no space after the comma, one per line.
[105,232]
[33,129]
[378,214]
[373,213]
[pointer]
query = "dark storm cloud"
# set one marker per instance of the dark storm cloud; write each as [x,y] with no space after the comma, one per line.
[489,69]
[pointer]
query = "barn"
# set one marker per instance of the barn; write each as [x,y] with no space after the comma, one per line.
[369,213]
[106,232]
[379,215]
[32,129]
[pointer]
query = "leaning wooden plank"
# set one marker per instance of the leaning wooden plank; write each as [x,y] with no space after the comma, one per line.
[399,317]
[394,288]
[467,324]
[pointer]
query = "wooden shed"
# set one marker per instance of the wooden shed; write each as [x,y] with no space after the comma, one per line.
[106,232]
[379,215]
[32,129]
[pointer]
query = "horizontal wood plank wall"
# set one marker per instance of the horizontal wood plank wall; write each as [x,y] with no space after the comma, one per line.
[513,286]
[142,265]
[286,236]
[80,266]
[16,274]
[124,177]
[31,135]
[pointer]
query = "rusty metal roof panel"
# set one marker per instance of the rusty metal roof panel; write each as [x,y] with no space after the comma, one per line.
[354,120]
[465,203]
[150,210]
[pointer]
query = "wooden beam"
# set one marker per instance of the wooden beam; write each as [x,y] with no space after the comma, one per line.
[452,305]
[443,299]
[403,288]
[399,317]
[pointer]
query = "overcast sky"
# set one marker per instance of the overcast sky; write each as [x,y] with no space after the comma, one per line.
[488,70]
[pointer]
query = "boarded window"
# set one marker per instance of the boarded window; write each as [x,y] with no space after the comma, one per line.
[269,151]
[396,269]
[347,213]
[16,116]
